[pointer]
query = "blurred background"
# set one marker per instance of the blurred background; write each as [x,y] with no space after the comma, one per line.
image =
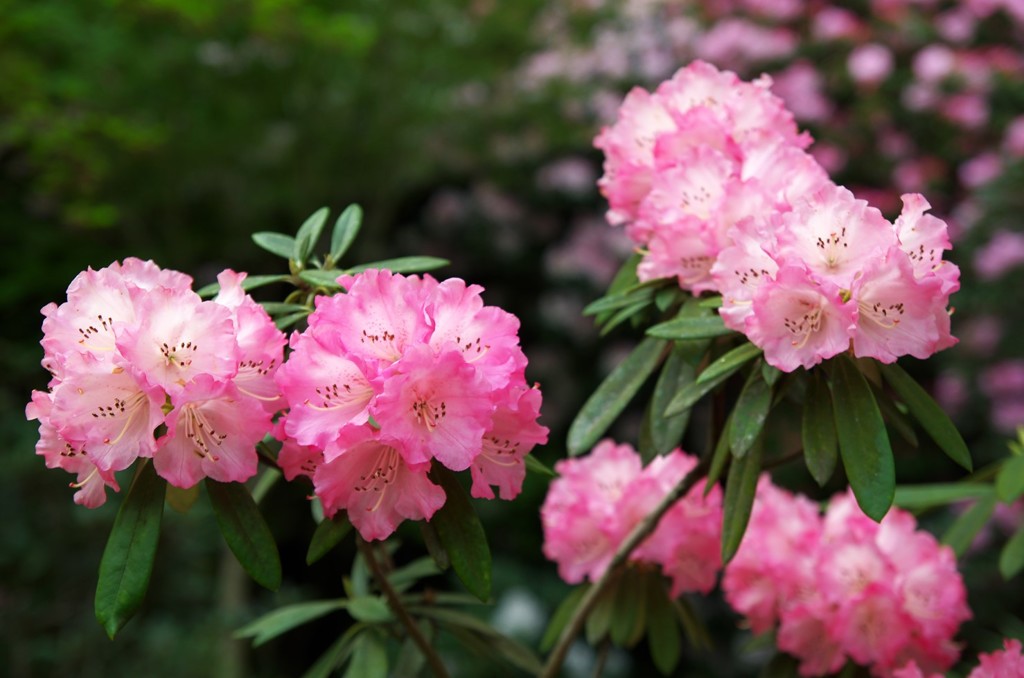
[172,129]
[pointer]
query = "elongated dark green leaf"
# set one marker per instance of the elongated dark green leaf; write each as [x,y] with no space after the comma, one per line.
[938,494]
[403,265]
[620,316]
[321,278]
[730,362]
[245,532]
[337,653]
[711,302]
[663,637]
[749,414]
[462,535]
[863,440]
[511,650]
[309,234]
[702,327]
[369,657]
[405,577]
[642,295]
[692,625]
[720,457]
[534,465]
[328,534]
[130,552]
[739,499]
[284,619]
[612,396]
[276,243]
[818,430]
[664,433]
[346,228]
[966,527]
[369,609]
[894,417]
[630,604]
[934,421]
[275,308]
[770,374]
[1010,480]
[667,296]
[434,547]
[599,620]
[250,283]
[688,396]
[563,613]
[1011,560]
[410,660]
[623,280]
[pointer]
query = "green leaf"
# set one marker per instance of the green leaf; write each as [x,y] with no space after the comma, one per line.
[702,327]
[130,552]
[284,322]
[720,456]
[934,421]
[730,362]
[410,660]
[624,279]
[1011,560]
[276,243]
[284,619]
[693,627]
[346,228]
[966,527]
[245,532]
[679,372]
[563,613]
[621,316]
[275,308]
[630,604]
[1010,481]
[863,440]
[404,577]
[369,609]
[643,295]
[250,283]
[534,465]
[599,620]
[688,396]
[938,494]
[749,414]
[894,417]
[740,487]
[612,396]
[663,636]
[462,536]
[403,265]
[369,657]
[308,235]
[512,651]
[337,653]
[328,534]
[712,302]
[321,278]
[818,430]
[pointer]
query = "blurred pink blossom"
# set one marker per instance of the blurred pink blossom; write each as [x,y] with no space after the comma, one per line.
[968,110]
[734,43]
[870,64]
[1013,137]
[1002,253]
[934,62]
[834,23]
[802,86]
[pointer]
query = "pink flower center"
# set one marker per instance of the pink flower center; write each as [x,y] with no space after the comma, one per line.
[832,246]
[381,475]
[803,326]
[429,414]
[203,436]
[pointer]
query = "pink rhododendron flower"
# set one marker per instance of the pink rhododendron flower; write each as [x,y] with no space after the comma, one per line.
[1005,663]
[406,366]
[842,586]
[134,348]
[599,499]
[371,481]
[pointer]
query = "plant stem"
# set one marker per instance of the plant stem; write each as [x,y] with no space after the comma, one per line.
[639,533]
[436,665]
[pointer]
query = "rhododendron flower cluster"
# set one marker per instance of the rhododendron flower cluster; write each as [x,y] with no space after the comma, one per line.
[598,500]
[841,586]
[1005,663]
[134,349]
[393,375]
[710,175]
